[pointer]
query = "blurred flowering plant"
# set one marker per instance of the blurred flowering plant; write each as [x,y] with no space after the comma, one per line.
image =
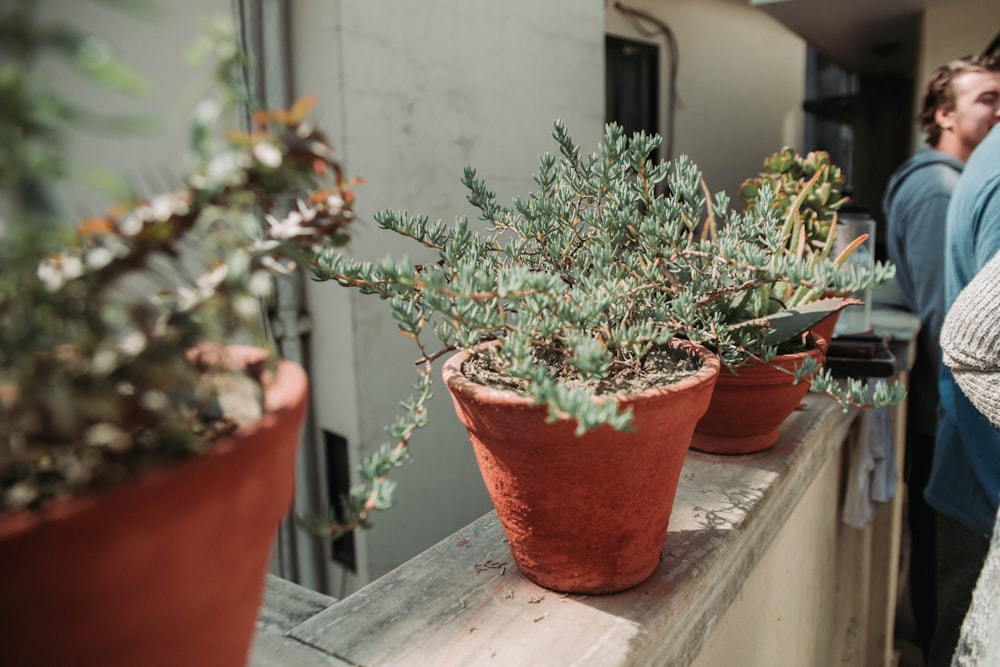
[99,321]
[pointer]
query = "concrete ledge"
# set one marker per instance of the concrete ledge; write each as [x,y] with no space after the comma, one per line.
[463,601]
[285,606]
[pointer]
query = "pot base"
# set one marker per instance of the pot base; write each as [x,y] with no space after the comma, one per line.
[711,443]
[747,410]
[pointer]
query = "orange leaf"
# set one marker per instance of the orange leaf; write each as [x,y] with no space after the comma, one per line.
[300,109]
[93,226]
[237,137]
[261,117]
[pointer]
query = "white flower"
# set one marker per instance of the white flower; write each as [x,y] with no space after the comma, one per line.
[165,206]
[131,224]
[307,212]
[98,258]
[50,275]
[187,298]
[133,342]
[56,271]
[72,266]
[246,306]
[267,154]
[224,169]
[261,285]
[288,227]
[277,267]
[208,282]
[334,201]
[108,435]
[154,400]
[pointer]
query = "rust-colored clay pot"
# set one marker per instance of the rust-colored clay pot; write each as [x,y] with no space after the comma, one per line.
[748,409]
[825,328]
[584,514]
[162,571]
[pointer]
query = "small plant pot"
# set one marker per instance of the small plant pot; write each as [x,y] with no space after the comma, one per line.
[825,328]
[164,570]
[747,409]
[583,514]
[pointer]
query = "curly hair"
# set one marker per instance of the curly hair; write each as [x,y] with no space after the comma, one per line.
[940,93]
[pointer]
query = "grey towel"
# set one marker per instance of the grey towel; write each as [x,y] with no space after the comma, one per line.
[873,477]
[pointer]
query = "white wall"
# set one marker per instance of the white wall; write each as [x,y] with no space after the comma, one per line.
[419,91]
[156,46]
[951,31]
[741,82]
[954,30]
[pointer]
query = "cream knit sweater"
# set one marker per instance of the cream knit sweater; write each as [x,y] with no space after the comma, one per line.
[970,343]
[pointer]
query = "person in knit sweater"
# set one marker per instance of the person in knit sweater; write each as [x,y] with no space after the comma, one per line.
[970,343]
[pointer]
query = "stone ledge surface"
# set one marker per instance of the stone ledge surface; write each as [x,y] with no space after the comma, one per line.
[463,601]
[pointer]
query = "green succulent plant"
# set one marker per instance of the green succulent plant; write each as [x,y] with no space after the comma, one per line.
[799,197]
[808,192]
[578,284]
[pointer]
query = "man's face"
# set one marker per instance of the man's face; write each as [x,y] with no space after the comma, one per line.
[976,110]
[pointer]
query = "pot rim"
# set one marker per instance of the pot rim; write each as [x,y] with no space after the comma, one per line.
[284,389]
[789,360]
[457,381]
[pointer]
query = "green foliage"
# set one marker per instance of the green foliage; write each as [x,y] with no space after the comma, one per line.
[580,280]
[809,189]
[592,271]
[97,318]
[800,197]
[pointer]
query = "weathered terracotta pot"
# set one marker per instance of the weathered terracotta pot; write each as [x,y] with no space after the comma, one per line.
[162,571]
[747,410]
[583,514]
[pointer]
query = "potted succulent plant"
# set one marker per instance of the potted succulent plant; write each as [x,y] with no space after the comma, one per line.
[146,462]
[794,202]
[561,312]
[808,194]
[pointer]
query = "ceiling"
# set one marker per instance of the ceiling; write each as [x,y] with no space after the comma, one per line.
[864,36]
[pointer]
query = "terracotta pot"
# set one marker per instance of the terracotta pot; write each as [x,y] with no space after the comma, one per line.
[165,570]
[748,409]
[826,327]
[583,514]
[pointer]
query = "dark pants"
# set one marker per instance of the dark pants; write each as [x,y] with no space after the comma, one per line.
[961,554]
[921,520]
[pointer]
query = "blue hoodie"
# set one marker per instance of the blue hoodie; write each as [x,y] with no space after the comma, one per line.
[916,206]
[965,479]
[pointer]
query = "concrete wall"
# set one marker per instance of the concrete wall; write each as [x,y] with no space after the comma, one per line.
[156,45]
[740,83]
[954,30]
[414,93]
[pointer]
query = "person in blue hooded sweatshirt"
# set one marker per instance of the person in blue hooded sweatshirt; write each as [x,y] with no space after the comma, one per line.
[956,115]
[964,487]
